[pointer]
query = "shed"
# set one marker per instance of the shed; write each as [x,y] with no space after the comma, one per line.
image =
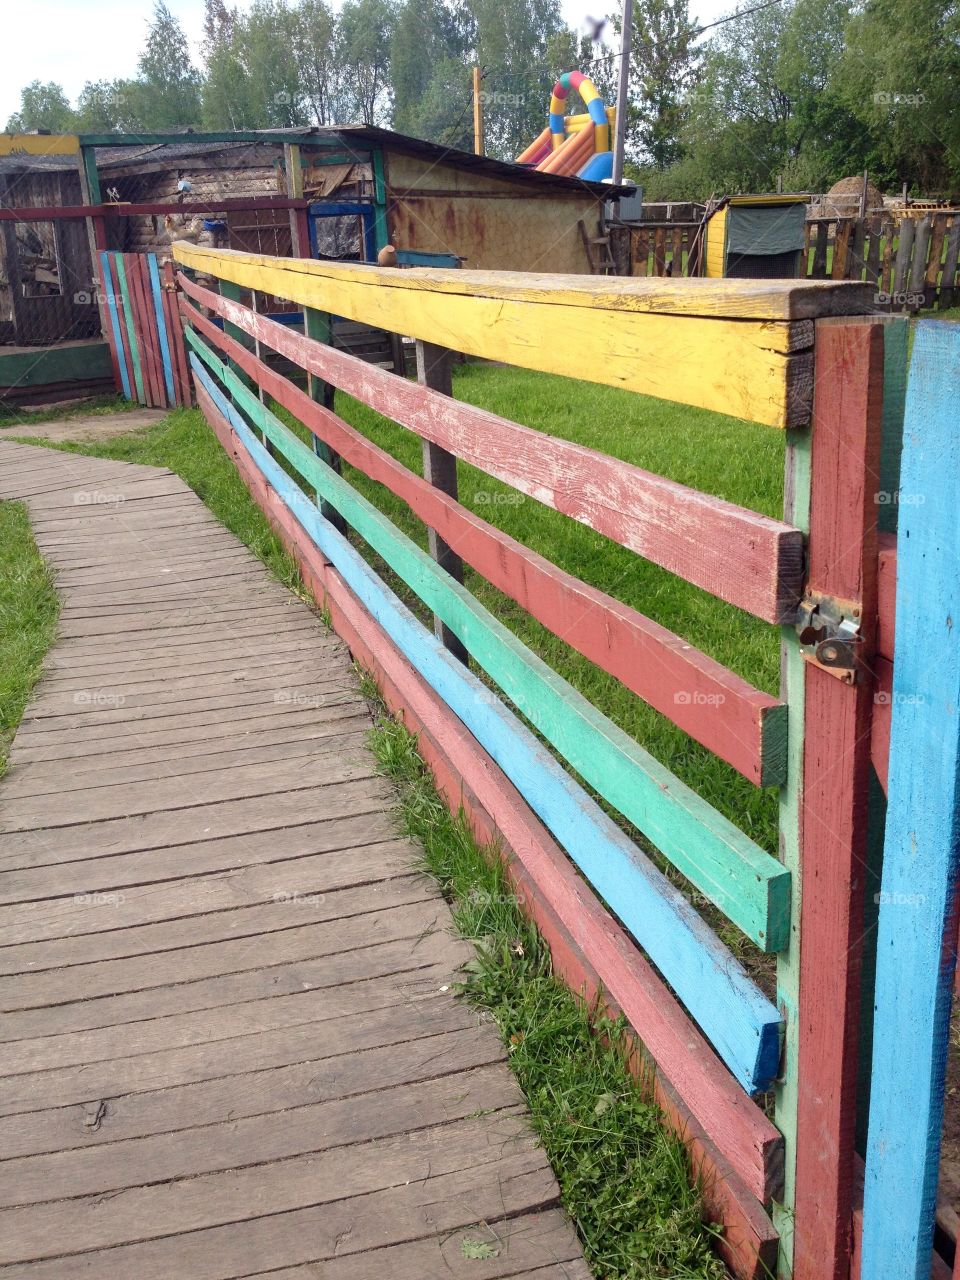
[756,236]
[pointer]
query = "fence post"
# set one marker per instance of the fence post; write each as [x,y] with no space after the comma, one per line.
[844,461]
[916,951]
[440,469]
[318,326]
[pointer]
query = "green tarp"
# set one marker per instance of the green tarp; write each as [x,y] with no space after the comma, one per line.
[775,229]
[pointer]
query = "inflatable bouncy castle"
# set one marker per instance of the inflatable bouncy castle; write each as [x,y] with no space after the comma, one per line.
[574,145]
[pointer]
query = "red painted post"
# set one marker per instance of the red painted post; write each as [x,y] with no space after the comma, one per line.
[845,449]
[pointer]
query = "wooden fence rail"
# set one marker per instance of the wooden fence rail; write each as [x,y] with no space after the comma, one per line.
[619,930]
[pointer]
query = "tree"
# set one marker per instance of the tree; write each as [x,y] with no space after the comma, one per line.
[365,32]
[166,93]
[315,51]
[663,63]
[43,106]
[102,106]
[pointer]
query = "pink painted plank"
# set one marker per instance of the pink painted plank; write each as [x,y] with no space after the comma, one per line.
[740,724]
[886,594]
[845,447]
[737,1127]
[747,559]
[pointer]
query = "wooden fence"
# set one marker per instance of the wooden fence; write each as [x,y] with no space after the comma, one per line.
[144,332]
[789,355]
[911,264]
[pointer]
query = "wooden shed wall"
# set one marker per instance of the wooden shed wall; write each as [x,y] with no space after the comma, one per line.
[495,224]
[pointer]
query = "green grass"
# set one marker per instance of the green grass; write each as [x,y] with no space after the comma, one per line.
[28,618]
[14,415]
[623,1178]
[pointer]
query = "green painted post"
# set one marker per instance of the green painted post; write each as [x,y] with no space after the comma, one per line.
[318,326]
[796,510]
[381,232]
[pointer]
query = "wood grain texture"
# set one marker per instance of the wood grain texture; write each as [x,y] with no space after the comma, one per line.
[919,890]
[753,369]
[747,559]
[842,562]
[751,887]
[742,725]
[593,954]
[222,1017]
[740,1022]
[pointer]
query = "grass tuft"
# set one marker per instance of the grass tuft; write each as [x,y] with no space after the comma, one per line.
[624,1179]
[28,618]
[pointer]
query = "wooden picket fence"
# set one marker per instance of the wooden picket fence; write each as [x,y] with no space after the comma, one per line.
[791,355]
[144,332]
[911,263]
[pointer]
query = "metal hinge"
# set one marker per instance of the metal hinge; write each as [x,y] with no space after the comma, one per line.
[829,633]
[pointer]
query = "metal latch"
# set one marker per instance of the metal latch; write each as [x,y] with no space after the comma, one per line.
[829,633]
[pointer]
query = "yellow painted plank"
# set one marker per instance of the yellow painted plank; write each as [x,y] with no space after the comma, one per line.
[716,236]
[39,144]
[731,299]
[737,367]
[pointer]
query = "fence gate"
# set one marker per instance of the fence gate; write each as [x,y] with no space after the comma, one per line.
[144,332]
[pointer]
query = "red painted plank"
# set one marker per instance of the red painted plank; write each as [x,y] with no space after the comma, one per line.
[739,723]
[842,562]
[733,1123]
[882,716]
[886,594]
[45,213]
[151,331]
[747,559]
[175,334]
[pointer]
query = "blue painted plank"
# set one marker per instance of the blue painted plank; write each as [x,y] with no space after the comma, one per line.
[115,324]
[162,329]
[737,1018]
[918,896]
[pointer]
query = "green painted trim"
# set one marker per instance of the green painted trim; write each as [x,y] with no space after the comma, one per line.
[896,343]
[43,366]
[146,139]
[381,232]
[93,177]
[797,513]
[751,887]
[233,292]
[128,321]
[318,326]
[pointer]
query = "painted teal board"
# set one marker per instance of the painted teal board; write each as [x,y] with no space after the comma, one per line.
[737,1018]
[162,328]
[115,325]
[916,937]
[746,883]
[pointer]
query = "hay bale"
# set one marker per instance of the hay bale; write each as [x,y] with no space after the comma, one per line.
[843,199]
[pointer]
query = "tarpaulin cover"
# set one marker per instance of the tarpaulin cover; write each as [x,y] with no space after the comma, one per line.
[774,229]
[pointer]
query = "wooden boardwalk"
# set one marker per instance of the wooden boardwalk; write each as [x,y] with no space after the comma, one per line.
[229,1044]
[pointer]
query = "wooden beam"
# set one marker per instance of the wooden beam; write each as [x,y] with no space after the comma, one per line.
[627,336]
[920,890]
[739,723]
[95,209]
[845,452]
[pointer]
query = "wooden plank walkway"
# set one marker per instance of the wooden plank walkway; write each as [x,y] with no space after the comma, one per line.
[229,1044]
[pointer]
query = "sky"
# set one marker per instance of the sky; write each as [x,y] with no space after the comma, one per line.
[72,41]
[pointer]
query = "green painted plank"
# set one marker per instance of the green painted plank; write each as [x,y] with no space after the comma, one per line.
[381,232]
[42,366]
[896,341]
[797,512]
[751,887]
[128,321]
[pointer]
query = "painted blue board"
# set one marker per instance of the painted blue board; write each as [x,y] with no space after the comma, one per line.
[115,324]
[161,328]
[735,1016]
[916,936]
